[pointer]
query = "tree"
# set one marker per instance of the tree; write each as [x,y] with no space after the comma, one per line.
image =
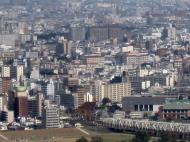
[141,137]
[167,138]
[105,101]
[82,139]
[113,108]
[96,139]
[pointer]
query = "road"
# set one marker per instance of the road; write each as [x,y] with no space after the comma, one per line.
[3,137]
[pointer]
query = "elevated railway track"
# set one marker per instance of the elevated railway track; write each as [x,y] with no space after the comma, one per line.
[156,128]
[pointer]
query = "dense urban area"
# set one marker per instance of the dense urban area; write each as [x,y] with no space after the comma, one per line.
[95,70]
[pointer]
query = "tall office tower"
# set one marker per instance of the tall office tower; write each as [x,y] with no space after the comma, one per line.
[21,102]
[48,89]
[43,86]
[35,106]
[66,100]
[51,90]
[67,47]
[50,117]
[59,50]
[171,32]
[17,72]
[64,47]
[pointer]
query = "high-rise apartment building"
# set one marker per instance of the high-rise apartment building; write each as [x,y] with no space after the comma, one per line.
[78,33]
[4,85]
[100,33]
[115,90]
[5,71]
[79,97]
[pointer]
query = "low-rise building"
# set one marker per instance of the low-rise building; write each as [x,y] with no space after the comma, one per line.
[176,110]
[143,103]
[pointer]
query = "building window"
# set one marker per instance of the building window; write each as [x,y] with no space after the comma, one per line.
[136,107]
[146,107]
[150,107]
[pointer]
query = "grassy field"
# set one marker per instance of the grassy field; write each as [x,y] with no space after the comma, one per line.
[43,135]
[116,137]
[59,135]
[63,135]
[106,138]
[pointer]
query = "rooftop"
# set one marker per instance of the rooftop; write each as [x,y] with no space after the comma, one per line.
[20,88]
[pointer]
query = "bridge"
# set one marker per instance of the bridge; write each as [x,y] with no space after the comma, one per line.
[156,127]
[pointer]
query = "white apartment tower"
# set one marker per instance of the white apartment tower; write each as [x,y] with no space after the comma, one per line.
[5,70]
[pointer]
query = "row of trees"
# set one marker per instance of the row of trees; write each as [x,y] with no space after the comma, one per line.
[139,137]
[145,137]
[93,139]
